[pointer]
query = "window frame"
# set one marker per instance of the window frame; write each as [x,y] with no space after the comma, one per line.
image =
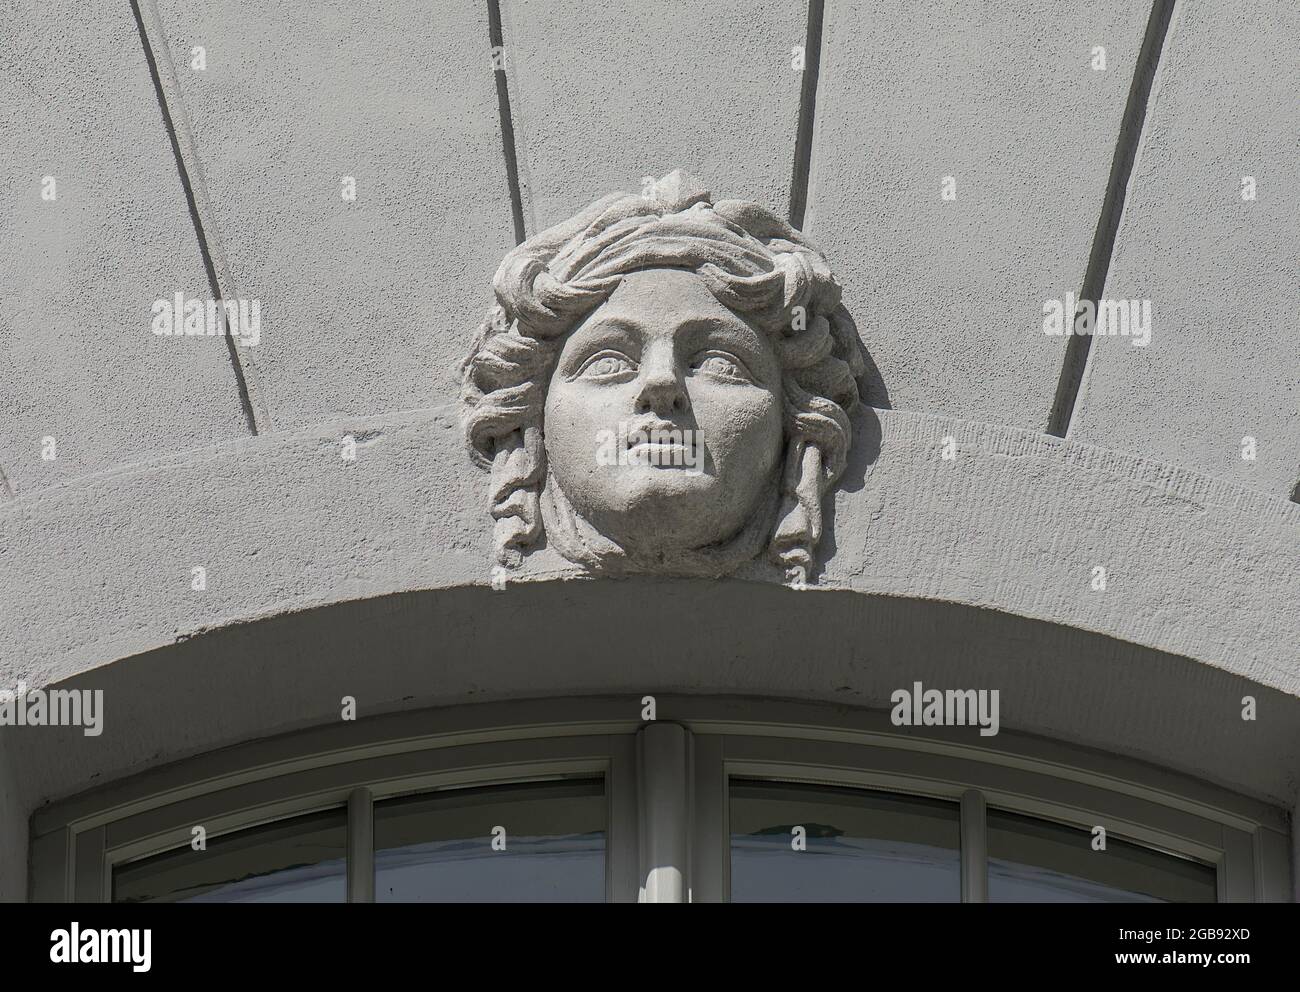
[1246,841]
[1225,848]
[77,842]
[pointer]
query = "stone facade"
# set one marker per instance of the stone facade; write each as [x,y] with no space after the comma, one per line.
[361,171]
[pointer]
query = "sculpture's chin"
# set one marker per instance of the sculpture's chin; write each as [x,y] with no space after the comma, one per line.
[658,510]
[666,522]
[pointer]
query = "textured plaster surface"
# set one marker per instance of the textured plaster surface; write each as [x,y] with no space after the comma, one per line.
[366,305]
[1220,271]
[1016,522]
[79,274]
[605,94]
[948,294]
[970,572]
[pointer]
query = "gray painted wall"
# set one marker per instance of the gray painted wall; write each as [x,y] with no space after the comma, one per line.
[78,274]
[368,306]
[1225,354]
[950,292]
[606,94]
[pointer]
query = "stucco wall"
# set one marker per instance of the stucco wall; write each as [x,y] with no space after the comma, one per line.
[368,304]
[1005,103]
[227,181]
[79,273]
[606,94]
[1225,354]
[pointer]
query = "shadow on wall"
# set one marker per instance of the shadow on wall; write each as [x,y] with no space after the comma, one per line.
[870,382]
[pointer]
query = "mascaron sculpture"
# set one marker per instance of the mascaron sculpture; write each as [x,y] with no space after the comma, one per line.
[663,387]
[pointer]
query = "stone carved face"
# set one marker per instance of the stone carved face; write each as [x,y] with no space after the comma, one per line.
[662,358]
[663,387]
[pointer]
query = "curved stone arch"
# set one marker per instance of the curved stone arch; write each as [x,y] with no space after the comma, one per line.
[1014,522]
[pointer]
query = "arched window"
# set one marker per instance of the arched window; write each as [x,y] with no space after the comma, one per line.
[718,800]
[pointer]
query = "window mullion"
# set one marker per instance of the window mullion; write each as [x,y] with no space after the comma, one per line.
[361,846]
[974,847]
[664,756]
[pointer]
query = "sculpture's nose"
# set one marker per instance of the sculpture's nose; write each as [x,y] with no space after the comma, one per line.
[661,387]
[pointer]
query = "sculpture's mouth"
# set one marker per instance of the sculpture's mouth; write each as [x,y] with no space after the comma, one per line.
[659,455]
[660,444]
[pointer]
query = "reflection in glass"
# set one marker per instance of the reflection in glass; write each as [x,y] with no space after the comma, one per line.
[438,847]
[1034,860]
[296,860]
[862,846]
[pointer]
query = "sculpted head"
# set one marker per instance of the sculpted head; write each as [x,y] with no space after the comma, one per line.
[663,386]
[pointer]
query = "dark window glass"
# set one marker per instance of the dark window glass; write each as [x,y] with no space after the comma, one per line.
[296,860]
[439,847]
[1034,860]
[862,846]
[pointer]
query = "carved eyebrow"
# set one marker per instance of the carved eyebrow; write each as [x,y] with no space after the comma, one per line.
[615,322]
[736,332]
[716,323]
[594,336]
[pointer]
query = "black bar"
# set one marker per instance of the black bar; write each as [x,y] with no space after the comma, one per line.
[382,943]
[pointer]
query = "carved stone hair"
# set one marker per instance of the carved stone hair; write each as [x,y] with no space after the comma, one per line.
[750,259]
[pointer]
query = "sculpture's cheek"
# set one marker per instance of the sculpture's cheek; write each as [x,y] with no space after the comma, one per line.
[742,429]
[579,419]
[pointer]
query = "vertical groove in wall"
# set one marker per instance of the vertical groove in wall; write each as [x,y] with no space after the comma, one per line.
[803,141]
[1078,346]
[497,40]
[5,489]
[220,284]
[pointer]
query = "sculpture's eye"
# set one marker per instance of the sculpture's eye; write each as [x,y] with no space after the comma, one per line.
[606,365]
[722,365]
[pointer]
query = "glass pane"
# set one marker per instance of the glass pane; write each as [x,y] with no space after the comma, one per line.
[297,860]
[1038,861]
[440,847]
[862,846]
